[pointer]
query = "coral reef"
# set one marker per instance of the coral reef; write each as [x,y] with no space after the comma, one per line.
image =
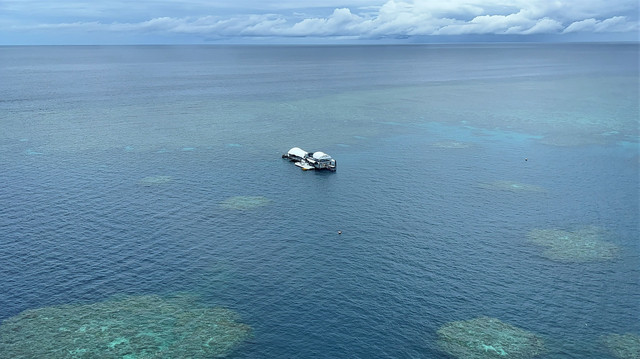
[155,180]
[486,337]
[623,346]
[451,144]
[130,328]
[582,245]
[245,202]
[512,186]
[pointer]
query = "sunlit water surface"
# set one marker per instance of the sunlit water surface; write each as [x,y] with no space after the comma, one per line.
[156,171]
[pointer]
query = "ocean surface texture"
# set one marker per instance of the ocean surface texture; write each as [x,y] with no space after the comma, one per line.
[487,198]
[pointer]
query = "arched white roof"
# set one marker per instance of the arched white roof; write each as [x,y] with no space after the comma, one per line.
[296,151]
[321,156]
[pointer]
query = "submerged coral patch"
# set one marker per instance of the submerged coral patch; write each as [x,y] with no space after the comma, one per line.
[133,327]
[582,245]
[31,152]
[245,202]
[512,186]
[155,180]
[486,337]
[623,346]
[576,139]
[451,144]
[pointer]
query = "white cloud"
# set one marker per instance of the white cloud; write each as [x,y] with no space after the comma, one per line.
[544,26]
[490,24]
[613,24]
[341,22]
[361,18]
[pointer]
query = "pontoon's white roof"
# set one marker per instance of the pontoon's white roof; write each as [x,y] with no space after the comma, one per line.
[297,152]
[321,156]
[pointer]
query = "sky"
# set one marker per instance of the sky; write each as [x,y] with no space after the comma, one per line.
[46,22]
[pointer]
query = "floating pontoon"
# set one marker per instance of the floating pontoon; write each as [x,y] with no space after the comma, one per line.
[310,160]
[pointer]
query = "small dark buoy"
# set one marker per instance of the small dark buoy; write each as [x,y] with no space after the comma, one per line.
[339,232]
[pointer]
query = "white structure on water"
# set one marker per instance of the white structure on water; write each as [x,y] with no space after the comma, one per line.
[310,160]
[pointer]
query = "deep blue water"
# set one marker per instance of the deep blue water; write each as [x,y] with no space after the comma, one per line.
[427,235]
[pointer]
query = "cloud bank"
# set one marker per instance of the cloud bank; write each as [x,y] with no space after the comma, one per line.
[360,20]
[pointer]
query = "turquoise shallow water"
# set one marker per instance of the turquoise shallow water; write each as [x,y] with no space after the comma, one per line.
[120,166]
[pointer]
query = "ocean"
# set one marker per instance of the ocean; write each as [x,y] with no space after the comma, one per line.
[497,182]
